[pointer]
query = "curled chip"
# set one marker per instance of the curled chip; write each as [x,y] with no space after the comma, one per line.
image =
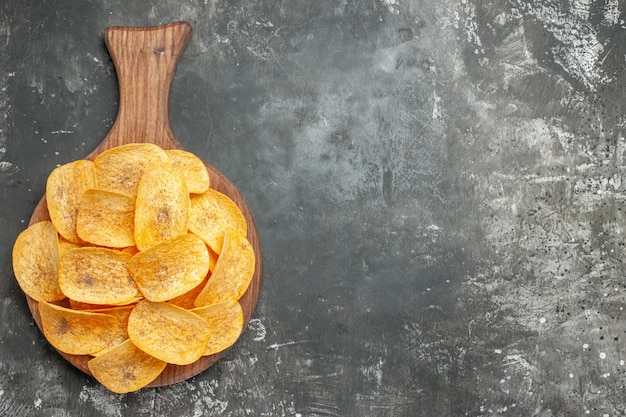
[77,332]
[119,169]
[162,207]
[97,276]
[233,271]
[187,299]
[122,314]
[168,332]
[171,268]
[78,305]
[64,190]
[125,368]
[36,262]
[210,214]
[107,219]
[192,169]
[65,245]
[226,323]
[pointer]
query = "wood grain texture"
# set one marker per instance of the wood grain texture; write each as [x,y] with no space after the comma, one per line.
[145,60]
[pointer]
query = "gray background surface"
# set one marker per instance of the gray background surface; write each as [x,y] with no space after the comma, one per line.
[438,186]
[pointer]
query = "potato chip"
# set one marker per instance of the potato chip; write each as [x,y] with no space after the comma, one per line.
[65,245]
[77,332]
[122,314]
[125,368]
[187,299]
[106,218]
[171,268]
[233,271]
[168,332]
[162,207]
[64,190]
[226,324]
[191,168]
[211,212]
[36,262]
[97,276]
[119,169]
[79,305]
[131,250]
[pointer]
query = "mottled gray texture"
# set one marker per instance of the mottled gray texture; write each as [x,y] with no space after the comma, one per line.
[438,187]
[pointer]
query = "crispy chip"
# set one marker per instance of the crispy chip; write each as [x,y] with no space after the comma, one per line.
[233,271]
[122,314]
[79,305]
[36,262]
[65,245]
[171,268]
[226,324]
[64,189]
[97,276]
[106,218]
[162,207]
[191,168]
[125,368]
[119,169]
[187,299]
[77,332]
[168,332]
[210,214]
[213,256]
[131,250]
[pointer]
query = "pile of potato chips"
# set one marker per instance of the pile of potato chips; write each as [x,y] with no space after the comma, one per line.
[142,263]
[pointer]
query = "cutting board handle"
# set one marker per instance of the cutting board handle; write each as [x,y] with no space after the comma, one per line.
[145,60]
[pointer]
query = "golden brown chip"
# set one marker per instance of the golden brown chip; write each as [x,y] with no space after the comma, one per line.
[36,262]
[107,219]
[78,305]
[187,299]
[168,332]
[191,168]
[119,169]
[233,271]
[64,190]
[226,324]
[122,314]
[97,276]
[65,245]
[125,368]
[210,214]
[171,268]
[77,332]
[213,256]
[131,250]
[162,207]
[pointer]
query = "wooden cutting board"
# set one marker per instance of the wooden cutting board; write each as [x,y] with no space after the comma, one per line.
[145,60]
